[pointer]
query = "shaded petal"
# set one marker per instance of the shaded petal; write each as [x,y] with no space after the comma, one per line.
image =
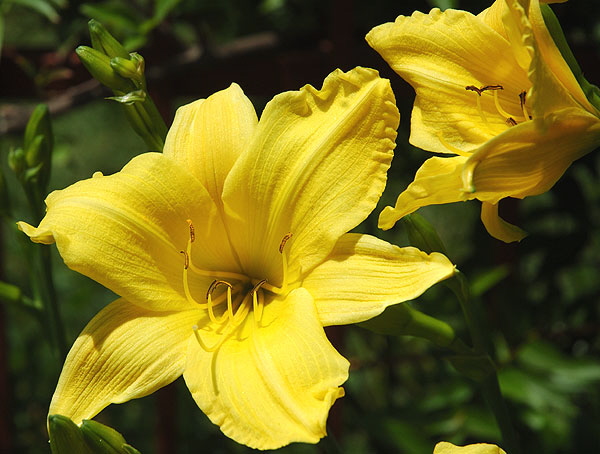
[363,275]
[316,168]
[125,352]
[274,384]
[551,56]
[530,157]
[208,135]
[498,227]
[437,181]
[444,447]
[126,230]
[440,54]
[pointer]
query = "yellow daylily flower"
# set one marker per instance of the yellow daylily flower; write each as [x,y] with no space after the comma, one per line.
[494,91]
[230,254]
[444,447]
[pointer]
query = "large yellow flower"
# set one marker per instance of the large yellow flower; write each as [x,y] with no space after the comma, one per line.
[495,91]
[230,253]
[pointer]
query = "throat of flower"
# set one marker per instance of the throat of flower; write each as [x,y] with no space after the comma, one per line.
[510,120]
[231,297]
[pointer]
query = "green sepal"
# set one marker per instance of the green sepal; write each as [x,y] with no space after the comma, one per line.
[65,436]
[98,64]
[104,42]
[422,234]
[591,92]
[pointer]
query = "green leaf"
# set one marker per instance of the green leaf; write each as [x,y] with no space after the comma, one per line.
[43,7]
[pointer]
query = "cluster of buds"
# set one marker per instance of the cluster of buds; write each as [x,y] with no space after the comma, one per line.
[31,163]
[89,438]
[123,72]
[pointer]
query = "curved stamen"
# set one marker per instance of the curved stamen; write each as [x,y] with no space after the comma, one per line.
[255,301]
[211,304]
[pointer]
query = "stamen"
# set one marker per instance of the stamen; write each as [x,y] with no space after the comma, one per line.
[192,231]
[186,286]
[523,99]
[483,88]
[210,303]
[502,112]
[510,121]
[255,302]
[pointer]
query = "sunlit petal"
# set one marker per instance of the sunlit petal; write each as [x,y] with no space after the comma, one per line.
[316,154]
[125,352]
[271,384]
[363,275]
[443,447]
[440,54]
[208,135]
[498,227]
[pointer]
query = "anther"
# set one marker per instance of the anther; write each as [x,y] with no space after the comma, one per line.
[483,88]
[192,231]
[510,121]
[523,99]
[186,259]
[283,241]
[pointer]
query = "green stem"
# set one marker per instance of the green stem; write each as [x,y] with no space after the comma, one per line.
[488,381]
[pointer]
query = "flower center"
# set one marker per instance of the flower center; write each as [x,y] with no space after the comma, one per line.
[231,296]
[509,119]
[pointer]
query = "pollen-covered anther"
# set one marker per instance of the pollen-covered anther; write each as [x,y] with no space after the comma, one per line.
[284,240]
[192,231]
[210,303]
[186,260]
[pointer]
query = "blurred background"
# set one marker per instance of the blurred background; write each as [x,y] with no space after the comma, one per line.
[541,298]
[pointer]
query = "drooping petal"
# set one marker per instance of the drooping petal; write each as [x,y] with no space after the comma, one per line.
[208,135]
[363,275]
[443,447]
[125,352]
[440,54]
[437,181]
[126,230]
[498,227]
[529,158]
[274,383]
[316,169]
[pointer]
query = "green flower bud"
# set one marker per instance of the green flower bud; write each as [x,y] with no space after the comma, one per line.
[104,42]
[65,436]
[16,161]
[130,68]
[39,124]
[104,439]
[98,64]
[421,234]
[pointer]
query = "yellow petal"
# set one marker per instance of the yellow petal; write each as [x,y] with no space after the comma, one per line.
[208,135]
[126,230]
[125,352]
[444,447]
[275,384]
[530,157]
[498,227]
[437,181]
[440,54]
[363,275]
[316,168]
